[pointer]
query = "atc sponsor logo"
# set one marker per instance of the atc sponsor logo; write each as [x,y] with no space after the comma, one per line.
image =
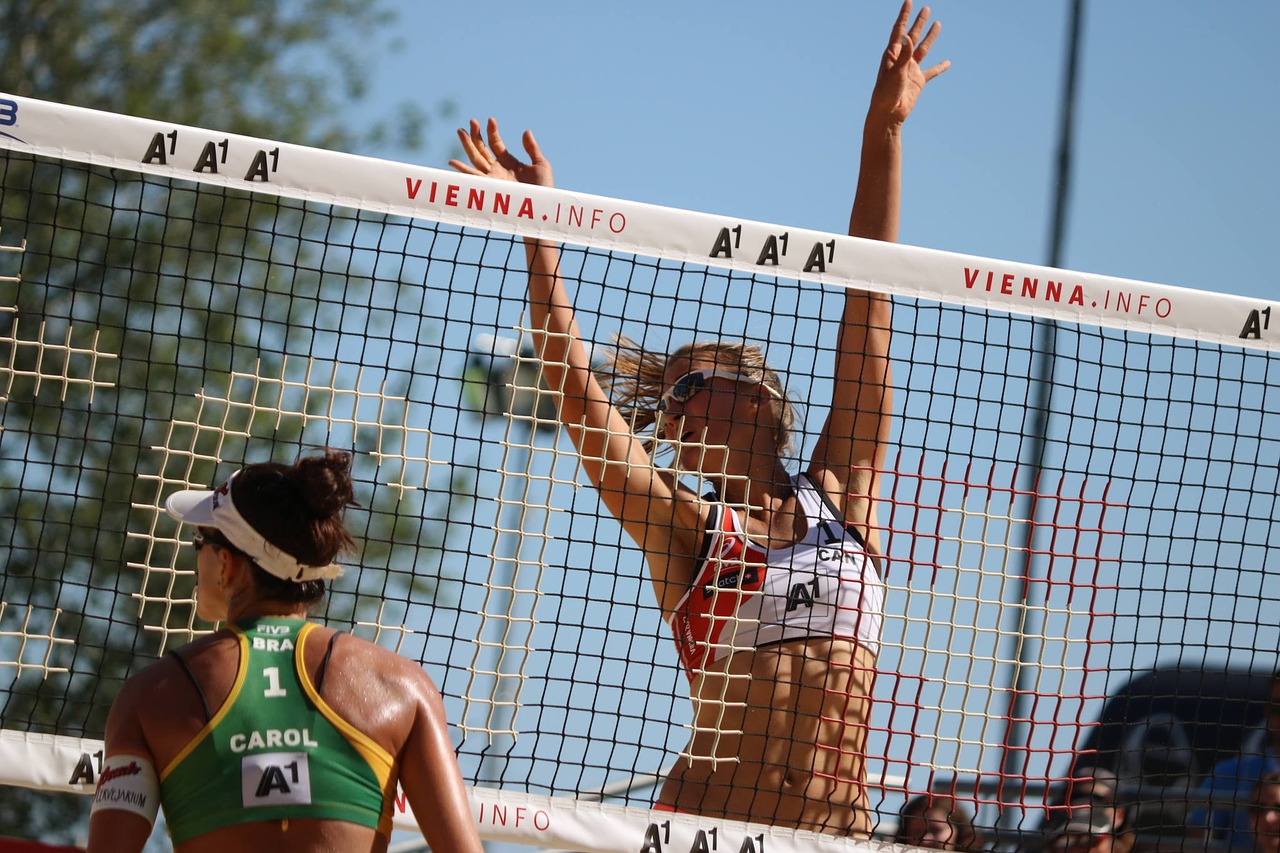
[8,118]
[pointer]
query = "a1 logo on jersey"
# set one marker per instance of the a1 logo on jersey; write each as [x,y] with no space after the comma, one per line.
[275,779]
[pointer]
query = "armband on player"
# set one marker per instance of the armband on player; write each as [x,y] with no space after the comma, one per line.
[129,783]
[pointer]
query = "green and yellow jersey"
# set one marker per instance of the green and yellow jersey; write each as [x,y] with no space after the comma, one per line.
[275,750]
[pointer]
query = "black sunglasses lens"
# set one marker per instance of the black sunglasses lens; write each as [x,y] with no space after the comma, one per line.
[201,539]
[686,386]
[682,389]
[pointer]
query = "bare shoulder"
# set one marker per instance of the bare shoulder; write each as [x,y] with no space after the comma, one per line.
[368,682]
[139,686]
[374,660]
[157,678]
[146,698]
[379,692]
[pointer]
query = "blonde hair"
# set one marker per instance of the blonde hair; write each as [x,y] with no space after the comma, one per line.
[635,379]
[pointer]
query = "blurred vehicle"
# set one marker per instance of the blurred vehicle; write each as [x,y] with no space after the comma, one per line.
[1164,730]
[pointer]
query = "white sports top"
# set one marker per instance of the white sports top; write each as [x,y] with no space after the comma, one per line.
[745,596]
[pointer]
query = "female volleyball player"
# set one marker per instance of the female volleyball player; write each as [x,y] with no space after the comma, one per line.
[769,582]
[275,733]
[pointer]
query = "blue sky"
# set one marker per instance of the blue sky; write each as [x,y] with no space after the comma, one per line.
[755,110]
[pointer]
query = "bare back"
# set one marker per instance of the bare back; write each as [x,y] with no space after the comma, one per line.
[383,696]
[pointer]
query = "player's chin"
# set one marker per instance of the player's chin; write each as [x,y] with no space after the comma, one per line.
[209,611]
[689,457]
[705,462]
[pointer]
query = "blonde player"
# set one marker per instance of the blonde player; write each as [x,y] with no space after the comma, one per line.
[769,581]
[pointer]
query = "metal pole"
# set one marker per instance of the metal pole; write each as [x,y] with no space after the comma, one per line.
[1013,785]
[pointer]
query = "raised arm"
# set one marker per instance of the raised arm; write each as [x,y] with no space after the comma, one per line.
[850,454]
[661,516]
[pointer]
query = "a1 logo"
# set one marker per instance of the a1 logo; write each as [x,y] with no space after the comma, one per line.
[275,778]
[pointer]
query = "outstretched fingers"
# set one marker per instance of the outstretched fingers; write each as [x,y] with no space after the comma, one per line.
[914,44]
[500,152]
[922,50]
[473,146]
[531,148]
[488,158]
[487,155]
[934,71]
[917,28]
[924,44]
[900,25]
[503,156]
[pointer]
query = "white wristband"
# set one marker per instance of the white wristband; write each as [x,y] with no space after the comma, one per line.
[129,783]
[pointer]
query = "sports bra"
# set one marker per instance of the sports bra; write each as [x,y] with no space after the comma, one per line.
[745,596]
[275,749]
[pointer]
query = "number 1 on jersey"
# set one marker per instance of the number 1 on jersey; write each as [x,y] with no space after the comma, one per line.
[274,690]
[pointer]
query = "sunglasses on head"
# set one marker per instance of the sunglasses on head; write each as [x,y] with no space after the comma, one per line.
[695,380]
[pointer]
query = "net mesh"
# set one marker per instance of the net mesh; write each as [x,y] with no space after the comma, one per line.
[1078,516]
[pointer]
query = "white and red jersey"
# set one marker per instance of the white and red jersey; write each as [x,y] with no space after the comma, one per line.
[745,596]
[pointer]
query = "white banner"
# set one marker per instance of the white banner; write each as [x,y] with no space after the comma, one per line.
[69,764]
[207,156]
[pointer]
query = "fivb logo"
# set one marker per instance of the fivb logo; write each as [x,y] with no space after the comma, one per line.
[8,117]
[274,779]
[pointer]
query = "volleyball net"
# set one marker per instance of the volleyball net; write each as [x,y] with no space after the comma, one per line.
[1080,499]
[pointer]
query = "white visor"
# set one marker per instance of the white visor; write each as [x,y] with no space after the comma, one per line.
[205,508]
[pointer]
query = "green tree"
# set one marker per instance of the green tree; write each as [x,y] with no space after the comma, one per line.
[183,286]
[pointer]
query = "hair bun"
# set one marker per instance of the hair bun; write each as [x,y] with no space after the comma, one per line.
[324,482]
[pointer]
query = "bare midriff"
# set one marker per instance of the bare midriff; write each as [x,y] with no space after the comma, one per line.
[780,738]
[282,836]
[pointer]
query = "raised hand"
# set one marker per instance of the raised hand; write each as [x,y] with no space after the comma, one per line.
[901,78]
[495,161]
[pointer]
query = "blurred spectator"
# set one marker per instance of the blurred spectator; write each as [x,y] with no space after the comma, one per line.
[1083,829]
[1090,785]
[1222,816]
[1091,794]
[1264,814]
[939,822]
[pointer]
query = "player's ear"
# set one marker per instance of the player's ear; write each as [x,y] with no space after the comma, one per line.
[231,565]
